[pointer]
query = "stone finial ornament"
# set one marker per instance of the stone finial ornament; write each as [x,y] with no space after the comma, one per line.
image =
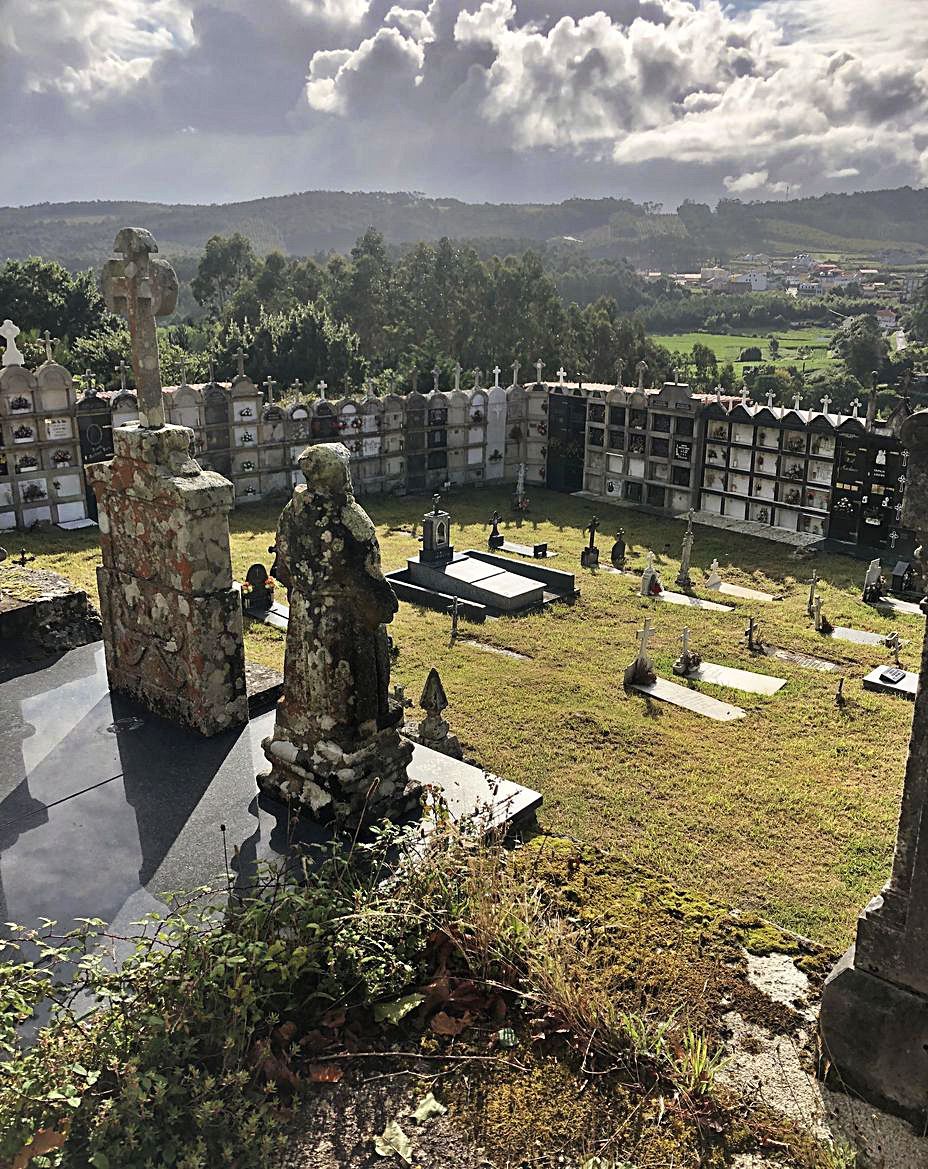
[433,730]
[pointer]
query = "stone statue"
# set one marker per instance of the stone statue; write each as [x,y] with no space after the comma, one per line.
[335,748]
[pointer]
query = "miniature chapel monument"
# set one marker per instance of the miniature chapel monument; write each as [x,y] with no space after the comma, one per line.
[336,749]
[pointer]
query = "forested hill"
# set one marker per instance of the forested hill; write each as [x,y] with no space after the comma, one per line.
[889,224]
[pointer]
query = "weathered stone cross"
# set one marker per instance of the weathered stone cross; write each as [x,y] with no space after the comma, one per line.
[270,385]
[855,405]
[539,366]
[240,360]
[141,287]
[436,374]
[322,387]
[645,634]
[561,375]
[458,369]
[770,398]
[11,355]
[619,372]
[515,373]
[826,402]
[642,368]
[121,370]
[496,372]
[49,341]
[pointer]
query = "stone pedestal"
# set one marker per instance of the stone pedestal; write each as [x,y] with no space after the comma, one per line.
[172,622]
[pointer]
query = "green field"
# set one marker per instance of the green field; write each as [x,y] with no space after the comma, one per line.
[728,346]
[790,812]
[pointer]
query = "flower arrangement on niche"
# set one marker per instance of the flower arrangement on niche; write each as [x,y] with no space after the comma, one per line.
[32,492]
[62,457]
[247,438]
[19,404]
[246,412]
[27,463]
[23,434]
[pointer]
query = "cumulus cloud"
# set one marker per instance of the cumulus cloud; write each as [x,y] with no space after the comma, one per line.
[498,99]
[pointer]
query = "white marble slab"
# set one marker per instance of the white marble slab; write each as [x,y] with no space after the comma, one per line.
[691,700]
[485,647]
[745,680]
[895,605]
[744,594]
[693,602]
[805,660]
[858,636]
[76,525]
[905,686]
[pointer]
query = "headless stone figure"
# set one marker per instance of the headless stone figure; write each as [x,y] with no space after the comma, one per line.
[336,748]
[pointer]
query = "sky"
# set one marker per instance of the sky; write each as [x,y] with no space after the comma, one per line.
[211,101]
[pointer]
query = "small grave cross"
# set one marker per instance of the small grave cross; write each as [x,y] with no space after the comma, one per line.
[642,368]
[323,386]
[893,537]
[496,372]
[826,402]
[592,528]
[810,604]
[479,373]
[90,387]
[121,370]
[458,368]
[644,641]
[515,372]
[240,361]
[436,374]
[855,406]
[454,609]
[797,398]
[770,398]
[140,286]
[750,631]
[561,374]
[297,387]
[49,341]
[270,386]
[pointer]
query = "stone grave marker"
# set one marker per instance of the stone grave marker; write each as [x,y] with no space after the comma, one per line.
[617,555]
[433,731]
[589,556]
[335,748]
[258,597]
[496,539]
[683,576]
[690,665]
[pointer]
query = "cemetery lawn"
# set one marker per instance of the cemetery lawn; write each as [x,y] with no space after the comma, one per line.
[728,346]
[790,812]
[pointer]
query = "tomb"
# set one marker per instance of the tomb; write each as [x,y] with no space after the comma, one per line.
[892,680]
[486,584]
[641,677]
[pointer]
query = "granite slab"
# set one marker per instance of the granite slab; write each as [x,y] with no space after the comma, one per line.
[807,661]
[858,636]
[527,550]
[745,680]
[693,602]
[744,594]
[105,807]
[691,700]
[897,605]
[906,687]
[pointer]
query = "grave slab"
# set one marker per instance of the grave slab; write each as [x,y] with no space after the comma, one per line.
[493,649]
[744,594]
[105,805]
[906,687]
[693,602]
[887,605]
[807,661]
[745,680]
[527,550]
[858,636]
[690,700]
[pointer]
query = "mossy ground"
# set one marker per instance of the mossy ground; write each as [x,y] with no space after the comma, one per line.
[789,813]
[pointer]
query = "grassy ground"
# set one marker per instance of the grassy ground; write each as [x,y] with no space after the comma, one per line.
[728,346]
[790,812]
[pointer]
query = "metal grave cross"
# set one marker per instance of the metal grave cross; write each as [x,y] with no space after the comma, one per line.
[140,287]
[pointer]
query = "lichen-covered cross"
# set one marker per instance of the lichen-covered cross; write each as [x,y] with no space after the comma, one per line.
[140,287]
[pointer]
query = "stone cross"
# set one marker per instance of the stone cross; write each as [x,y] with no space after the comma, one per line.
[11,355]
[619,371]
[683,576]
[415,381]
[121,370]
[140,286]
[90,387]
[810,604]
[539,366]
[183,372]
[770,398]
[458,368]
[436,374]
[323,386]
[436,500]
[297,387]
[826,402]
[685,641]
[797,398]
[561,375]
[478,375]
[515,373]
[855,406]
[270,386]
[645,633]
[240,361]
[49,341]
[744,395]
[718,394]
[642,368]
[211,370]
[496,372]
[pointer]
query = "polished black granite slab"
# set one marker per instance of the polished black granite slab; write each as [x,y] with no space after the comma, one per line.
[105,807]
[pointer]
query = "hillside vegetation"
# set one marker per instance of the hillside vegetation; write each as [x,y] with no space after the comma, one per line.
[870,223]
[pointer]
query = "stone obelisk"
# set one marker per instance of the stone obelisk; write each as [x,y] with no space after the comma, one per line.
[172,621]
